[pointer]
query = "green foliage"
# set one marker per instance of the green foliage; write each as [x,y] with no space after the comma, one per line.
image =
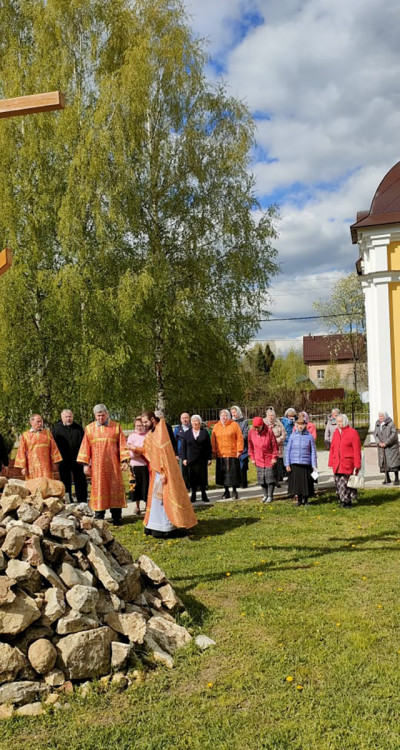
[140,268]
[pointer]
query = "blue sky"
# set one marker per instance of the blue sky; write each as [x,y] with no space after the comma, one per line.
[322,80]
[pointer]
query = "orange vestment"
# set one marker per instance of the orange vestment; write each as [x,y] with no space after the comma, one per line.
[158,451]
[227,441]
[36,453]
[104,447]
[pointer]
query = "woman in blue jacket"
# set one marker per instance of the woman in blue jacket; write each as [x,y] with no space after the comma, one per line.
[301,459]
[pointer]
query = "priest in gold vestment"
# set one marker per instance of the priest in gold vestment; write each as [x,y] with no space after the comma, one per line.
[37,451]
[103,451]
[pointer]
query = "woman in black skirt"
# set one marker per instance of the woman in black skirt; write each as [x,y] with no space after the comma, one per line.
[196,455]
[301,459]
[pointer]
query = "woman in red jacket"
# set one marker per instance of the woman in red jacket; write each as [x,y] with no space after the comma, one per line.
[263,450]
[345,459]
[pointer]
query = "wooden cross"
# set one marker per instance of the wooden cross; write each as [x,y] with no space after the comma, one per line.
[27,105]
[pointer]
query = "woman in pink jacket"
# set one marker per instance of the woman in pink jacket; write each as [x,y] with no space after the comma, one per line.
[345,459]
[263,451]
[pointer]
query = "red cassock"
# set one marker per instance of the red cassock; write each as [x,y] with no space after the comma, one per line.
[104,447]
[36,453]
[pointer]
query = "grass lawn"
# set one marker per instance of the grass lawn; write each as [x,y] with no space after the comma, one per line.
[304,607]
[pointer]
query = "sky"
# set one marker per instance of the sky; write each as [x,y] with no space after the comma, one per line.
[322,80]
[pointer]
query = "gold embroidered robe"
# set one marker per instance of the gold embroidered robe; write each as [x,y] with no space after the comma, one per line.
[37,451]
[104,448]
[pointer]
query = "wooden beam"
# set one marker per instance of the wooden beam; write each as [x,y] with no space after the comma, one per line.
[28,105]
[5,260]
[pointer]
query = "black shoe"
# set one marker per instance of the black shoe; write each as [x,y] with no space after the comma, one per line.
[235,495]
[193,497]
[116,521]
[226,495]
[396,482]
[387,481]
[205,499]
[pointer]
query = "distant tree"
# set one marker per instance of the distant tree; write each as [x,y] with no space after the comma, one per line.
[344,314]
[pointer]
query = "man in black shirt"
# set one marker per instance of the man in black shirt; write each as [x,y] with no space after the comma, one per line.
[68,436]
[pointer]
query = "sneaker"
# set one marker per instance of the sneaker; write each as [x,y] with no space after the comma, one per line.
[268,500]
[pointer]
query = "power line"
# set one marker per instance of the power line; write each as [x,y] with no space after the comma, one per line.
[306,317]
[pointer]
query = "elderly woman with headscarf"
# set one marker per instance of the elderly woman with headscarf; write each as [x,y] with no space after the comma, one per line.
[311,427]
[385,434]
[196,455]
[237,416]
[275,424]
[301,459]
[345,459]
[227,445]
[288,422]
[330,428]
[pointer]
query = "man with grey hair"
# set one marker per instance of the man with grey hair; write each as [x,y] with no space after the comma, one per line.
[68,436]
[105,455]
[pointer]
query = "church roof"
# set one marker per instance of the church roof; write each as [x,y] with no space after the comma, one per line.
[385,206]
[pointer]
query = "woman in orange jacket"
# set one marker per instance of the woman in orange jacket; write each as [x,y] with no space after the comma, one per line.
[227,445]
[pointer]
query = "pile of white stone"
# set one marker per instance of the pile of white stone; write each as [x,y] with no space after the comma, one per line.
[74,606]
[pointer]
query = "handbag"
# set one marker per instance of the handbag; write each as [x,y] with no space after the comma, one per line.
[356,482]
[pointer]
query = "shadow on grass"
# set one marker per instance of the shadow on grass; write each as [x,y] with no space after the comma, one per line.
[365,498]
[219,526]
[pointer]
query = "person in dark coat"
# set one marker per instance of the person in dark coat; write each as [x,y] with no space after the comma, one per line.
[237,416]
[196,456]
[68,436]
[3,454]
[385,434]
[179,434]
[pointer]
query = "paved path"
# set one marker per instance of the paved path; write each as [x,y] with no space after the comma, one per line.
[373,479]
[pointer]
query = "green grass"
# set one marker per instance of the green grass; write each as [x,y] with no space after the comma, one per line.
[311,594]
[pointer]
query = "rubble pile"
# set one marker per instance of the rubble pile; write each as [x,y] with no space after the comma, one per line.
[74,605]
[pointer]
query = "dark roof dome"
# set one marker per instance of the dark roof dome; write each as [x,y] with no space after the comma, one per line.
[385,206]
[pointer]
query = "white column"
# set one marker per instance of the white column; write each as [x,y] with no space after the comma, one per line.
[378,347]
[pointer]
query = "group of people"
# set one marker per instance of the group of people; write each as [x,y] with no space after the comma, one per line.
[165,464]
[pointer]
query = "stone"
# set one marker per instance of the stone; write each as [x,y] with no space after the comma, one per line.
[43,522]
[33,584]
[14,542]
[67,688]
[29,528]
[158,654]
[54,606]
[52,698]
[6,595]
[47,487]
[129,608]
[21,693]
[86,523]
[3,482]
[6,711]
[18,615]
[12,661]
[121,554]
[52,550]
[104,528]
[74,576]
[120,653]
[18,570]
[203,642]
[151,570]
[10,503]
[162,613]
[152,600]
[111,576]
[54,678]
[82,598]
[54,504]
[16,487]
[50,576]
[169,599]
[119,680]
[94,536]
[3,562]
[37,500]
[77,541]
[131,586]
[30,709]
[27,513]
[86,655]
[81,560]
[63,527]
[107,602]
[133,625]
[32,551]
[32,634]
[42,655]
[168,635]
[74,621]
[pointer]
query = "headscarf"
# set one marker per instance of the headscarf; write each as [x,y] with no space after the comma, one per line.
[305,416]
[196,416]
[226,412]
[239,413]
[289,411]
